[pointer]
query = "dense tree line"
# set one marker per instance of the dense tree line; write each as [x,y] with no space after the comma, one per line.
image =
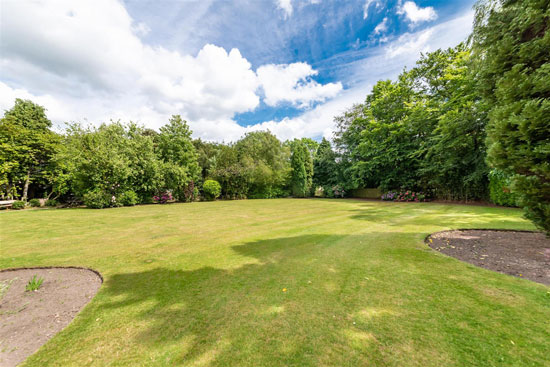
[467,123]
[424,132]
[124,163]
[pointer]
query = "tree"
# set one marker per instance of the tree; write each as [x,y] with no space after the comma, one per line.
[265,160]
[175,148]
[511,40]
[325,168]
[27,146]
[454,152]
[111,159]
[302,169]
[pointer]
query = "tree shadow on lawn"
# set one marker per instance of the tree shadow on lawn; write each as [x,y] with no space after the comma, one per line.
[307,302]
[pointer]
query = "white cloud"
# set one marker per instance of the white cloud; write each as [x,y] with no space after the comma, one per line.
[382,26]
[366,6]
[86,60]
[410,44]
[286,7]
[292,83]
[416,14]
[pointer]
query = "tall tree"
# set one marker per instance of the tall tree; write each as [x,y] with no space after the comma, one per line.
[175,148]
[511,40]
[27,146]
[325,168]
[302,169]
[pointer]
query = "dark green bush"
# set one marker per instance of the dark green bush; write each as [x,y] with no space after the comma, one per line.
[51,202]
[211,189]
[35,203]
[499,189]
[128,198]
[97,199]
[18,205]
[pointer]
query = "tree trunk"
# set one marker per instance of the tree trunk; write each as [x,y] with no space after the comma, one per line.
[26,187]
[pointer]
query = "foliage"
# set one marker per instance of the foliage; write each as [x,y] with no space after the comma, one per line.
[163,197]
[18,205]
[51,202]
[511,40]
[27,146]
[34,284]
[333,191]
[301,164]
[256,166]
[175,148]
[211,189]
[405,196]
[424,131]
[97,199]
[500,191]
[325,167]
[128,198]
[35,203]
[264,161]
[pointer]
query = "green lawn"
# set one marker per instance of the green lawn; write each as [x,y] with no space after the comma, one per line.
[201,284]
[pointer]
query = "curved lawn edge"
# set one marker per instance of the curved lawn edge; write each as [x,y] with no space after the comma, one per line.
[31,317]
[55,267]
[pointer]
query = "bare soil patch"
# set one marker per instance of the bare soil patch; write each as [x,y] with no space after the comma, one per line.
[29,319]
[521,254]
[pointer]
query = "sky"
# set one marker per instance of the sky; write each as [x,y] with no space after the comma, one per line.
[227,67]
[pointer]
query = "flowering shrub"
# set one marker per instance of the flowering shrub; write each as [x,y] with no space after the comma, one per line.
[163,198]
[338,191]
[404,196]
[335,191]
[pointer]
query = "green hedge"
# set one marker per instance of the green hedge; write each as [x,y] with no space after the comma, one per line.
[499,189]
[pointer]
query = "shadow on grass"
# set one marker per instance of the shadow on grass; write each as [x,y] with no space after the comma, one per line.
[319,300]
[242,316]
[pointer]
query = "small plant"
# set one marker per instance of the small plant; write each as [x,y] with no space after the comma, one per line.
[163,198]
[128,198]
[51,203]
[18,205]
[211,189]
[35,203]
[34,284]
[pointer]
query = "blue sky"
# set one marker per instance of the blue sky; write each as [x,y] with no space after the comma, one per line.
[228,67]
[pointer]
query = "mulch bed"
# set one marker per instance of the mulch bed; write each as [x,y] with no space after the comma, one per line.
[521,254]
[29,319]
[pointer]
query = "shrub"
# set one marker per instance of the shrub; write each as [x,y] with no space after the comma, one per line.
[405,196]
[97,199]
[128,198]
[35,203]
[499,189]
[51,202]
[18,205]
[211,189]
[338,191]
[163,198]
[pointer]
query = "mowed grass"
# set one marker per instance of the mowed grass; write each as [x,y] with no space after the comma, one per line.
[201,284]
